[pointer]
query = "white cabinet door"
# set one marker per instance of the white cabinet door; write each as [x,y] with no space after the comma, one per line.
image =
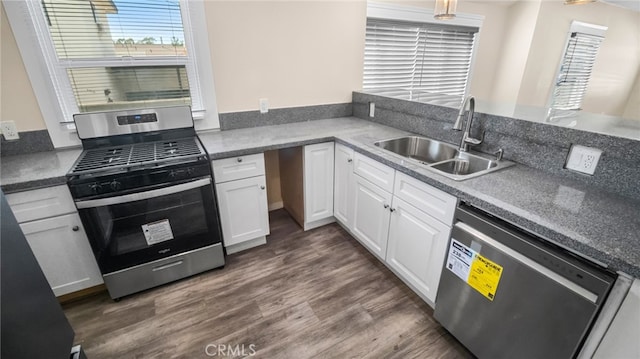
[417,246]
[318,182]
[62,249]
[244,213]
[342,191]
[371,216]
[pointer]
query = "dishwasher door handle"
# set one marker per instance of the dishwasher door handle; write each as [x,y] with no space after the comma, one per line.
[481,237]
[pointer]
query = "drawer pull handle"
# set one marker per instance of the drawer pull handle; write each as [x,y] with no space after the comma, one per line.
[239,159]
[350,160]
[169,265]
[261,187]
[392,209]
[75,228]
[386,206]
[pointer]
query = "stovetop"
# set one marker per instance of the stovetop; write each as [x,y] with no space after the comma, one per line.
[131,156]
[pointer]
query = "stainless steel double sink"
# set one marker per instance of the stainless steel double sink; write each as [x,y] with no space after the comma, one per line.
[442,158]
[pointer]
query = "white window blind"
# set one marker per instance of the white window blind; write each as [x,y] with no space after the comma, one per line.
[418,56]
[117,54]
[575,71]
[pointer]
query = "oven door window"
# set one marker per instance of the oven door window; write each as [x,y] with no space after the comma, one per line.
[135,232]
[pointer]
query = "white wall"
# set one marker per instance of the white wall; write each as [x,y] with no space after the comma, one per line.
[616,66]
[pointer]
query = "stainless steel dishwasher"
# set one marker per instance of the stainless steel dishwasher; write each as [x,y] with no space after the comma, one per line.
[504,293]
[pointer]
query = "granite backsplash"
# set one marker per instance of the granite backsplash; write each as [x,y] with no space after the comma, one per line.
[29,142]
[537,145]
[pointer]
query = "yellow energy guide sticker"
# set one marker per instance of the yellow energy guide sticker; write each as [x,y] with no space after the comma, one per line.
[477,271]
[484,276]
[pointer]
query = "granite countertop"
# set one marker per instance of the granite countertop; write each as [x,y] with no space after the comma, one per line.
[602,226]
[35,170]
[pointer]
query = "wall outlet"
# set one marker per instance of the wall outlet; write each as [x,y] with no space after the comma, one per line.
[372,109]
[9,130]
[264,105]
[583,159]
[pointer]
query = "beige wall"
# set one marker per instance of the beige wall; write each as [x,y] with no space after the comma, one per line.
[616,66]
[294,53]
[512,56]
[299,53]
[17,100]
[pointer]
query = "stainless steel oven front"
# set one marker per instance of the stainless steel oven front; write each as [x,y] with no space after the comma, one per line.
[153,235]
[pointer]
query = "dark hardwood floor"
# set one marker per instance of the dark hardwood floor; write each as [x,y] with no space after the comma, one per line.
[315,294]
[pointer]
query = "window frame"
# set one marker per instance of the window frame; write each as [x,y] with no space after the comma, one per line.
[585,29]
[51,84]
[394,12]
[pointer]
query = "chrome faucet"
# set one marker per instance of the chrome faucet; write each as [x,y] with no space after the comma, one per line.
[466,135]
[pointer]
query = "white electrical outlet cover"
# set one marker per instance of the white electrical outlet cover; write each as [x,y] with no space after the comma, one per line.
[583,159]
[372,109]
[9,130]
[264,105]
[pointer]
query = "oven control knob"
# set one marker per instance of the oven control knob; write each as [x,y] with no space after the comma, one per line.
[173,174]
[115,185]
[190,171]
[96,188]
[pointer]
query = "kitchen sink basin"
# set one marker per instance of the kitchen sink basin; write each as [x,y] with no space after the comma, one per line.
[442,158]
[420,148]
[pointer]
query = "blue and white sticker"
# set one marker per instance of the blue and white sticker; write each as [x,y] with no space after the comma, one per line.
[459,259]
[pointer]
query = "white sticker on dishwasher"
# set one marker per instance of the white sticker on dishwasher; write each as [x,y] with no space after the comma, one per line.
[460,259]
[156,232]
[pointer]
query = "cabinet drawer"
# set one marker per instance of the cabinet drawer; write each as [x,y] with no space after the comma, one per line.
[41,203]
[374,171]
[434,202]
[240,167]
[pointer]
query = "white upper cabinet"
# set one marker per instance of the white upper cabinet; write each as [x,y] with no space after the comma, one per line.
[318,184]
[343,185]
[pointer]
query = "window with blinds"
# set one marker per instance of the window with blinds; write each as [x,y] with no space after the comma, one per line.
[118,54]
[575,71]
[418,56]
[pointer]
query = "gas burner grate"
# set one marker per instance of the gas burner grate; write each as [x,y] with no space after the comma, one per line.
[140,153]
[104,157]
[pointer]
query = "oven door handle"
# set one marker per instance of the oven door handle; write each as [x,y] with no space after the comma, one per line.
[143,195]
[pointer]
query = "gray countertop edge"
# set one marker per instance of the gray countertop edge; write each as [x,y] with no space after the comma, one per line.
[35,184]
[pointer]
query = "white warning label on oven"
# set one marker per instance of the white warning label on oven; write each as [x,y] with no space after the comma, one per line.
[156,232]
[460,259]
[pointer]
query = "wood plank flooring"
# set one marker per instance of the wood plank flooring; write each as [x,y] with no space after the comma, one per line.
[315,294]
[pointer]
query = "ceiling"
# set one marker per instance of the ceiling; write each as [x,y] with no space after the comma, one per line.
[629,4]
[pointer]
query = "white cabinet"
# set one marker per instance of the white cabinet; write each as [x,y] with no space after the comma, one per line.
[241,189]
[371,216]
[61,247]
[243,209]
[343,185]
[416,247]
[318,184]
[52,227]
[401,220]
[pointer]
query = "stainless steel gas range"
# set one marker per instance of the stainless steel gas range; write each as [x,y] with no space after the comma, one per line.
[143,188]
